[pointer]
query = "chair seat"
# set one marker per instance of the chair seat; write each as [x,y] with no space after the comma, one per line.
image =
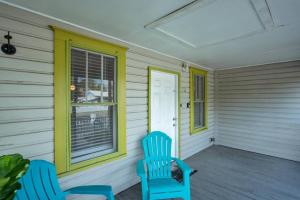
[91,189]
[162,185]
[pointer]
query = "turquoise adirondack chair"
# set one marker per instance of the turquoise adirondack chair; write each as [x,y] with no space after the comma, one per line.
[40,183]
[158,183]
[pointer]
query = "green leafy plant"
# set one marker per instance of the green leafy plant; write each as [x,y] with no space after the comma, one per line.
[12,167]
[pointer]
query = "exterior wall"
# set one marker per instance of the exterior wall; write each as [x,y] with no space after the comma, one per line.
[26,91]
[26,103]
[258,109]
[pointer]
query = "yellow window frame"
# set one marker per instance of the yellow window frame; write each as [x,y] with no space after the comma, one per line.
[63,42]
[196,71]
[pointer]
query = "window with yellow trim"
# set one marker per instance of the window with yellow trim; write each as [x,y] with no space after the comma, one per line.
[198,100]
[89,101]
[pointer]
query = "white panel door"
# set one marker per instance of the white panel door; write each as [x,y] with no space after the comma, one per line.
[164,106]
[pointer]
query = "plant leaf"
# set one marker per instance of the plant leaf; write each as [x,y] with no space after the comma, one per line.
[12,167]
[3,182]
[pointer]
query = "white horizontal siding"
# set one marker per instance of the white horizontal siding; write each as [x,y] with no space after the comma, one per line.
[26,90]
[26,103]
[258,109]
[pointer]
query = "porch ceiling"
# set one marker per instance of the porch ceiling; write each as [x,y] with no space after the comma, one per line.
[213,33]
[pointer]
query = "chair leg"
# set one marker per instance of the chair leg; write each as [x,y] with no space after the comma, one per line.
[187,197]
[110,196]
[145,196]
[145,192]
[188,194]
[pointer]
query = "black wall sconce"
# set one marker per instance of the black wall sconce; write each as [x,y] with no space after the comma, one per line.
[8,48]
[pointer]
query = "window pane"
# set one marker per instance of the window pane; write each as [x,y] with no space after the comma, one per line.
[90,82]
[78,75]
[199,94]
[94,78]
[198,114]
[198,87]
[108,78]
[201,88]
[92,132]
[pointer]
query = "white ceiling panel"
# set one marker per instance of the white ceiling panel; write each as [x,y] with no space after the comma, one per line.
[214,23]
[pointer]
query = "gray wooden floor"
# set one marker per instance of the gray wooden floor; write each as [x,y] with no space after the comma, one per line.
[230,174]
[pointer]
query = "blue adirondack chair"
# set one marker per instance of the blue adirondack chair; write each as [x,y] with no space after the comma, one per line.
[40,183]
[158,183]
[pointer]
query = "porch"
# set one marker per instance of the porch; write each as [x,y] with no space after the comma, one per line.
[236,90]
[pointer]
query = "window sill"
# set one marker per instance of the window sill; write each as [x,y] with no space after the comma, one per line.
[198,130]
[84,165]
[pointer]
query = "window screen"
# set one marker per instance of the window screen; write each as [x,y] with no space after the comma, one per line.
[199,101]
[93,98]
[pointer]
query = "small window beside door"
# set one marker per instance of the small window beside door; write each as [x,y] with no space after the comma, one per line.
[198,100]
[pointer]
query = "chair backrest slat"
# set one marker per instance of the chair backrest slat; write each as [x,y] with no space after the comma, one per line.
[46,182]
[37,182]
[27,185]
[40,182]
[157,151]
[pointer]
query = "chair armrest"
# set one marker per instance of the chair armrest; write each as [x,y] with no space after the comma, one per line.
[105,190]
[184,167]
[140,169]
